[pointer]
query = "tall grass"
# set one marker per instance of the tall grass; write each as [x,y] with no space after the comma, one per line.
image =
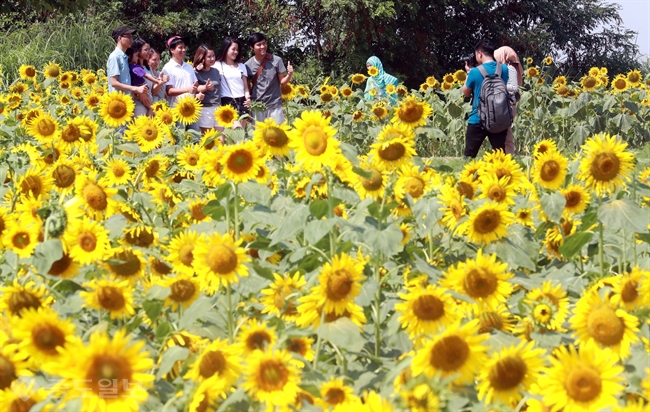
[75,42]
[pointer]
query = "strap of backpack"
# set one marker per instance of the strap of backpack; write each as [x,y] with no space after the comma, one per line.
[483,72]
[268,57]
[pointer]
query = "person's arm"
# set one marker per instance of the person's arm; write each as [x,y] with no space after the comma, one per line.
[173,91]
[284,79]
[127,87]
[512,86]
[152,79]
[468,86]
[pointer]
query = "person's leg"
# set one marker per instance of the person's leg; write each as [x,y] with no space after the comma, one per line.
[277,114]
[510,139]
[498,140]
[474,137]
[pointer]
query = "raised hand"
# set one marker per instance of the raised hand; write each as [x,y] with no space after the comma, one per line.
[289,67]
[195,88]
[209,85]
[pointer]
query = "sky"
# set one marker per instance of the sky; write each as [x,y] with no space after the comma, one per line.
[636,16]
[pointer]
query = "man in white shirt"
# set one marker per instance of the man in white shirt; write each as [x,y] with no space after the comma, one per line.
[182,79]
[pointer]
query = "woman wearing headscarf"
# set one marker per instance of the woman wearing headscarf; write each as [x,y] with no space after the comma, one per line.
[506,55]
[380,81]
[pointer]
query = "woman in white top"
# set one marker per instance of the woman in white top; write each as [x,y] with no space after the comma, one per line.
[234,83]
[506,55]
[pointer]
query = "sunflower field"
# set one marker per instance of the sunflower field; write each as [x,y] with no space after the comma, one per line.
[332,262]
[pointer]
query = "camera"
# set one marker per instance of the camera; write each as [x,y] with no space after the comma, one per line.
[470,59]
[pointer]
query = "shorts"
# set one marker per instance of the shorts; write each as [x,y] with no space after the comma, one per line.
[237,103]
[207,121]
[276,113]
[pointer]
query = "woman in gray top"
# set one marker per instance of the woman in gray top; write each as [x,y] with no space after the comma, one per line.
[209,84]
[158,91]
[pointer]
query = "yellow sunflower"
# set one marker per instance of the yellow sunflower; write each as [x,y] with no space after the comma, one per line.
[184,290]
[487,223]
[620,84]
[335,393]
[270,377]
[43,128]
[412,182]
[379,110]
[97,197]
[577,199]
[21,237]
[585,380]
[218,260]
[598,320]
[394,148]
[590,83]
[226,116]
[104,359]
[126,263]
[548,60]
[458,350]
[634,78]
[211,166]
[374,185]
[187,109]
[20,397]
[280,297]
[219,360]
[116,108]
[118,172]
[426,311]
[339,283]
[532,72]
[92,100]
[549,305]
[255,336]
[113,296]
[483,279]
[373,71]
[241,162]
[550,169]
[87,241]
[544,146]
[148,132]
[448,78]
[498,190]
[358,78]
[41,334]
[313,140]
[52,70]
[630,289]
[605,165]
[35,182]
[27,72]
[460,76]
[209,396]
[165,116]
[509,373]
[412,113]
[188,157]
[453,206]
[15,298]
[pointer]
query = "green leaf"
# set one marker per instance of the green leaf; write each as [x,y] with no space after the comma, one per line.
[342,333]
[580,134]
[385,241]
[553,205]
[350,152]
[169,358]
[254,192]
[46,254]
[574,243]
[223,191]
[153,309]
[366,174]
[158,292]
[200,306]
[367,295]
[316,229]
[162,331]
[455,110]
[214,209]
[115,225]
[129,147]
[623,214]
[513,255]
[319,208]
[291,224]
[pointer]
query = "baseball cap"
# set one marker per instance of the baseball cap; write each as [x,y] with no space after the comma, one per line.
[121,31]
[173,39]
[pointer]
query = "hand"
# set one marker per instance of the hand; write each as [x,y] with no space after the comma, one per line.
[141,89]
[247,101]
[200,96]
[289,68]
[144,99]
[209,85]
[164,78]
[467,68]
[199,67]
[194,88]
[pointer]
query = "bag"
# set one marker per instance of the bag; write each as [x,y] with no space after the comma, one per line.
[494,104]
[268,57]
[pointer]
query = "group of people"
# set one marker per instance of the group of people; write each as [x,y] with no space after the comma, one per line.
[215,78]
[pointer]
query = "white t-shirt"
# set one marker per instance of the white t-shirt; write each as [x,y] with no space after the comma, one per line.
[180,76]
[232,81]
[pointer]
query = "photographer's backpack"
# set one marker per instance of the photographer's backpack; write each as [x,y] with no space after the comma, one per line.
[494,104]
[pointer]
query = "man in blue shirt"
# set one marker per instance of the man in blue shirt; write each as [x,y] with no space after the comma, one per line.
[117,68]
[484,52]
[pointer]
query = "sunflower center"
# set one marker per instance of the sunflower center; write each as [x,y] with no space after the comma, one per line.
[131,264]
[542,313]
[428,307]
[109,368]
[550,170]
[192,159]
[116,109]
[465,189]
[70,133]
[620,84]
[110,298]
[20,240]
[489,321]
[339,285]
[604,326]
[394,151]
[185,254]
[315,140]
[573,198]
[152,168]
[47,338]
[145,238]
[414,186]
[46,127]
[95,196]
[605,166]
[334,396]
[21,405]
[7,372]
[272,375]
[241,161]
[297,346]
[23,300]
[449,353]
[410,112]
[196,210]
[31,184]
[583,383]
[63,175]
[379,111]
[508,373]
[479,283]
[487,221]
[221,259]
[275,137]
[182,290]
[630,291]
[60,266]
[497,193]
[87,241]
[213,362]
[187,109]
[374,183]
[258,340]
[30,72]
[118,170]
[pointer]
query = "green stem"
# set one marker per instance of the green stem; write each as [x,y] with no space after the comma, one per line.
[319,342]
[377,320]
[623,265]
[231,334]
[236,206]
[430,247]
[601,258]
[330,212]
